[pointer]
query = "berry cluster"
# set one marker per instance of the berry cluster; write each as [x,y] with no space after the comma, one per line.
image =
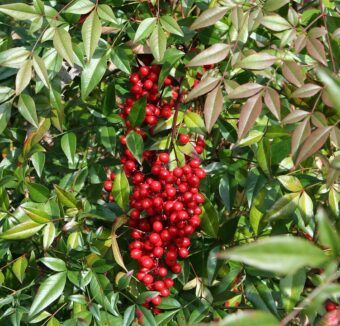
[165,203]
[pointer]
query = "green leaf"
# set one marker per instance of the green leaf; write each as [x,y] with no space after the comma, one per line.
[21,231]
[148,318]
[206,85]
[65,198]
[258,61]
[40,69]
[69,145]
[108,138]
[19,11]
[26,107]
[49,234]
[306,207]
[137,113]
[171,56]
[23,77]
[275,23]
[91,32]
[328,235]
[49,291]
[105,12]
[164,318]
[224,190]
[169,303]
[37,215]
[63,44]
[291,183]
[291,288]
[121,190]
[209,219]
[38,161]
[209,17]
[19,268]
[158,43]
[55,264]
[14,57]
[284,207]
[145,28]
[170,25]
[38,192]
[313,143]
[272,5]
[5,115]
[80,7]
[121,60]
[129,315]
[332,86]
[278,254]
[92,74]
[194,122]
[247,318]
[135,144]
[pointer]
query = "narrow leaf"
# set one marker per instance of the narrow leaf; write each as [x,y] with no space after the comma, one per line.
[284,207]
[91,32]
[63,44]
[170,25]
[121,190]
[272,100]
[23,77]
[275,23]
[206,85]
[258,61]
[250,111]
[307,90]
[316,50]
[137,113]
[209,17]
[158,43]
[21,231]
[293,73]
[145,28]
[40,69]
[26,107]
[135,144]
[214,54]
[213,107]
[19,268]
[245,90]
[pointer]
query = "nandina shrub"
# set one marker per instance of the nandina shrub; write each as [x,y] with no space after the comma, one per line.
[169,162]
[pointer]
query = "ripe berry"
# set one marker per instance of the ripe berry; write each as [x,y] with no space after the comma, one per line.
[176,268]
[158,252]
[184,139]
[168,282]
[165,292]
[183,252]
[148,84]
[159,285]
[330,306]
[162,271]
[136,254]
[157,226]
[148,279]
[146,261]
[156,300]
[164,157]
[167,81]
[134,78]
[144,70]
[108,186]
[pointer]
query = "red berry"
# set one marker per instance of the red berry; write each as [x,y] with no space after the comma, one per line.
[168,282]
[136,254]
[146,262]
[165,292]
[144,70]
[167,81]
[156,300]
[183,252]
[176,268]
[159,285]
[164,157]
[158,252]
[184,139]
[330,306]
[162,271]
[148,84]
[148,279]
[108,186]
[157,226]
[134,78]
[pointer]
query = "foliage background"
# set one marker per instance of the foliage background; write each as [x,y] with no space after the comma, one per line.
[269,111]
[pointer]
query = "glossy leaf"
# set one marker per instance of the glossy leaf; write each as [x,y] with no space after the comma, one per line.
[65,198]
[313,143]
[69,145]
[23,77]
[209,219]
[284,207]
[214,54]
[135,144]
[316,50]
[91,32]
[206,85]
[291,183]
[306,206]
[258,61]
[280,254]
[158,43]
[213,107]
[170,25]
[145,28]
[27,109]
[40,69]
[275,23]
[194,122]
[247,318]
[307,90]
[272,100]
[37,215]
[121,190]
[245,90]
[49,291]
[293,73]
[137,113]
[250,111]
[209,17]
[19,11]
[63,44]
[19,268]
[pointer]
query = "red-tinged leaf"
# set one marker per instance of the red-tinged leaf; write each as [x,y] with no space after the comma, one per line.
[307,90]
[213,107]
[272,100]
[293,73]
[245,90]
[316,50]
[319,120]
[250,111]
[295,116]
[300,134]
[335,137]
[313,143]
[211,55]
[257,61]
[300,43]
[206,85]
[114,244]
[209,17]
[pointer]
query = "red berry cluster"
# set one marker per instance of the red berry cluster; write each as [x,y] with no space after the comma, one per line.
[165,203]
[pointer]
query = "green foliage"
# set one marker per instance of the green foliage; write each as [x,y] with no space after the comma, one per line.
[265,98]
